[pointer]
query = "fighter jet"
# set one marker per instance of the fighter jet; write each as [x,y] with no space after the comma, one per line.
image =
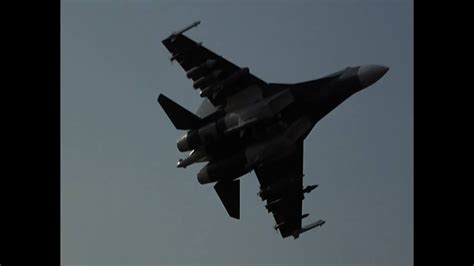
[245,124]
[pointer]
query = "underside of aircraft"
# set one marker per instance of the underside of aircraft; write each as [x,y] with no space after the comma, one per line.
[245,124]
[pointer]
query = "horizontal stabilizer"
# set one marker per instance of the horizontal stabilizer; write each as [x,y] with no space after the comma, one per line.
[229,193]
[179,116]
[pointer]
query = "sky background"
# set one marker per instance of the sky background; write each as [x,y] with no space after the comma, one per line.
[124,202]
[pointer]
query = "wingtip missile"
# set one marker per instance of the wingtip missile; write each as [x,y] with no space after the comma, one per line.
[297,233]
[312,225]
[176,33]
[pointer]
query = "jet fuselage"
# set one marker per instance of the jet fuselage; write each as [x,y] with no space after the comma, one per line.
[245,123]
[268,129]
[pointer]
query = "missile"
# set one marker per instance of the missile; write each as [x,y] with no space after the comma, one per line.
[304,215]
[297,233]
[226,83]
[176,33]
[275,188]
[206,91]
[309,188]
[276,226]
[204,81]
[272,205]
[313,225]
[199,70]
[230,81]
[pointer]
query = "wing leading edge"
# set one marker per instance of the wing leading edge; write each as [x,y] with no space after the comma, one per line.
[216,77]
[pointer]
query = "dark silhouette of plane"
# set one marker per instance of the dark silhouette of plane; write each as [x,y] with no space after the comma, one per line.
[245,124]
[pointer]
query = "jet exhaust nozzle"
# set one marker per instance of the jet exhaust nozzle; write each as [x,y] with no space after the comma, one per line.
[229,168]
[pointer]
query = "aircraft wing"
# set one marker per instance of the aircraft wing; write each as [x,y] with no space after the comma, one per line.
[281,184]
[216,77]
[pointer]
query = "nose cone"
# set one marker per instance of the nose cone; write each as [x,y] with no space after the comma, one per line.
[369,74]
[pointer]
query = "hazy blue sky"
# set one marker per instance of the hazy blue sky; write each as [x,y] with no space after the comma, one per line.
[123,201]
